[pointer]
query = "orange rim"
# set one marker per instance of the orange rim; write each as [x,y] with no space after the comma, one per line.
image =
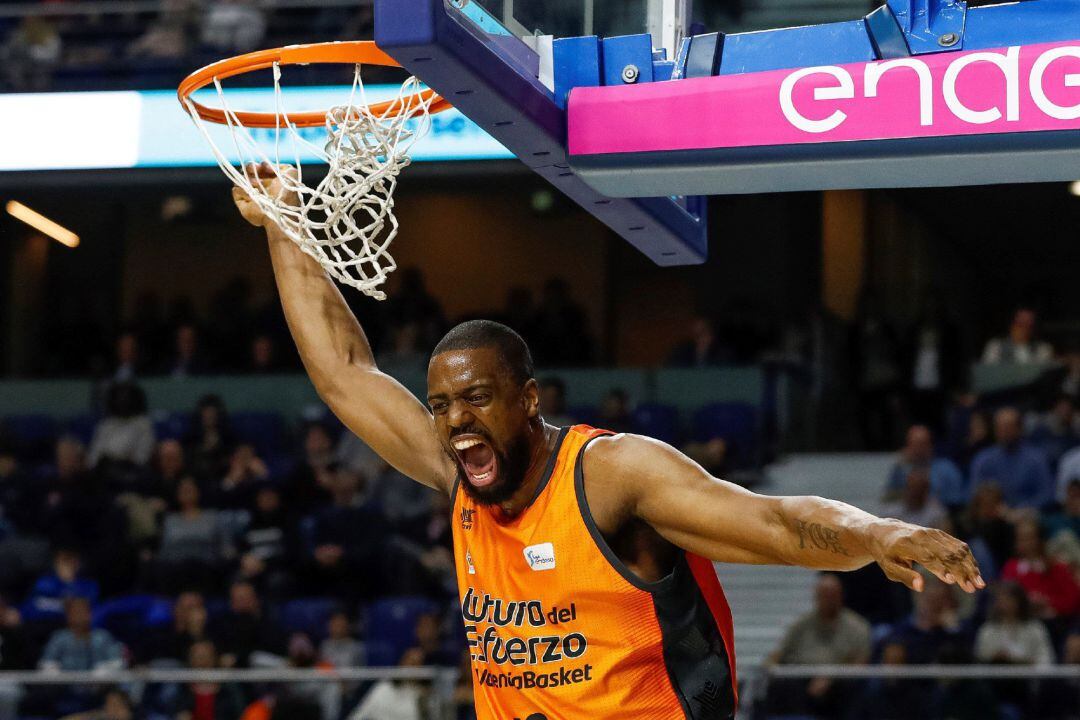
[358,52]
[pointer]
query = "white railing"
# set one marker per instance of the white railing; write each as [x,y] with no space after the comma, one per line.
[923,672]
[241,676]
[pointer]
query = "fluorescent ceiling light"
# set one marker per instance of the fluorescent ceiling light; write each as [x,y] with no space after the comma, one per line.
[42,224]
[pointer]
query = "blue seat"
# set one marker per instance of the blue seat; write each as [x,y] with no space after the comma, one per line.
[657,421]
[34,433]
[391,627]
[129,617]
[263,430]
[308,615]
[171,426]
[735,422]
[82,427]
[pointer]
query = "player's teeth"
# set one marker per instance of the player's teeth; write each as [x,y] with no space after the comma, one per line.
[483,476]
[465,444]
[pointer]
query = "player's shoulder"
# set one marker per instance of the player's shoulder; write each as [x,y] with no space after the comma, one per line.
[619,453]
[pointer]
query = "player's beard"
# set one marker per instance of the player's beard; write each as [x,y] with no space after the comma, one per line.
[512,465]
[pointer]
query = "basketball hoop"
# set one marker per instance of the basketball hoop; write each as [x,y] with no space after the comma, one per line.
[346,221]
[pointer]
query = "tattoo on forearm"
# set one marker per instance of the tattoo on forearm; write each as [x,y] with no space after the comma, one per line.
[817,536]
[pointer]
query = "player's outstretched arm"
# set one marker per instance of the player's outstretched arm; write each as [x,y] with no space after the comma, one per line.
[338,358]
[633,476]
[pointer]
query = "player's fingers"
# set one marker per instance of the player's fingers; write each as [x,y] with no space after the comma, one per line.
[901,571]
[958,560]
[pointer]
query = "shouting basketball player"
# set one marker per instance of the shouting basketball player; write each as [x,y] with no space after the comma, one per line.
[584,558]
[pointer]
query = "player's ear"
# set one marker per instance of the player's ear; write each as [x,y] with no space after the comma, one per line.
[530,397]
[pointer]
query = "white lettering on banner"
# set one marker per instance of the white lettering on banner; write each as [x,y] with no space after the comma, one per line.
[1008,62]
[1010,68]
[844,91]
[1038,89]
[875,71]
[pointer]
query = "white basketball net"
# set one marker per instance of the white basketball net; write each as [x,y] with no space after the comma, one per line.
[346,221]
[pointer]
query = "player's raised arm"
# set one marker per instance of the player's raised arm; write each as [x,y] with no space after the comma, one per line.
[339,360]
[628,475]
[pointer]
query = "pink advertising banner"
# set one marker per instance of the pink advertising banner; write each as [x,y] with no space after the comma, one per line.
[1017,89]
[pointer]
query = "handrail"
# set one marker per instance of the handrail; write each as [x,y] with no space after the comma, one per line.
[246,676]
[141,7]
[920,672]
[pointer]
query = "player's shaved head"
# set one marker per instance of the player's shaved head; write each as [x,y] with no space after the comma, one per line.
[476,334]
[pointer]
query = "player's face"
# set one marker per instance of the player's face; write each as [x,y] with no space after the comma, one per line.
[482,417]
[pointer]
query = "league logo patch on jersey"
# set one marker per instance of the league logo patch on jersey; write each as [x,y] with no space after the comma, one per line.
[541,556]
[467,518]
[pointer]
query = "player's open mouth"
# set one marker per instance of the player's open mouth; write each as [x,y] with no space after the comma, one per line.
[477,458]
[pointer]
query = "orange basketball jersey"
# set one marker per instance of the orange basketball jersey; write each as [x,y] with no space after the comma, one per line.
[558,628]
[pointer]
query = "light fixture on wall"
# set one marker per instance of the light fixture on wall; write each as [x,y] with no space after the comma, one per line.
[1074,188]
[42,224]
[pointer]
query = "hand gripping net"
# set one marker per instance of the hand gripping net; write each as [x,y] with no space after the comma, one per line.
[346,219]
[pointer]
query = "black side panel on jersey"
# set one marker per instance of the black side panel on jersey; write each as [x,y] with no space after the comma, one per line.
[694,650]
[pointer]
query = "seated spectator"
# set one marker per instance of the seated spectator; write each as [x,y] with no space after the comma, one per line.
[986,523]
[830,634]
[31,54]
[978,438]
[188,627]
[553,402]
[399,499]
[187,358]
[194,544]
[18,499]
[79,646]
[1018,469]
[1062,529]
[14,648]
[265,545]
[396,699]
[170,467]
[66,580]
[711,455]
[916,505]
[245,629]
[614,412]
[1057,432]
[308,486]
[264,360]
[701,348]
[933,626]
[233,26]
[1049,584]
[208,700]
[246,471]
[1011,634]
[405,357]
[353,453]
[946,482]
[117,706]
[340,649]
[169,36]
[894,698]
[431,641]
[210,442]
[1019,347]
[128,359]
[1068,469]
[311,699]
[125,436]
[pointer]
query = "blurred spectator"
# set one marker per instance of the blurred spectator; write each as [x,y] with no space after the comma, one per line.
[830,634]
[464,705]
[614,413]
[125,436]
[18,499]
[246,470]
[412,303]
[353,453]
[431,642]
[169,36]
[519,311]
[1070,384]
[701,349]
[933,626]
[65,581]
[405,358]
[977,438]
[79,646]
[1068,469]
[233,26]
[210,441]
[128,359]
[75,500]
[265,544]
[894,698]
[1011,634]
[916,504]
[31,54]
[553,402]
[395,699]
[194,544]
[188,627]
[986,524]
[562,337]
[117,706]
[208,700]
[1019,469]
[876,361]
[400,499]
[170,466]
[946,482]
[246,629]
[264,360]
[936,366]
[308,486]
[1050,585]
[1063,527]
[711,455]
[14,650]
[1019,347]
[340,649]
[187,358]
[1057,432]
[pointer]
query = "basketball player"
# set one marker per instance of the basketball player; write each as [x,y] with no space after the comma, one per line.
[584,558]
